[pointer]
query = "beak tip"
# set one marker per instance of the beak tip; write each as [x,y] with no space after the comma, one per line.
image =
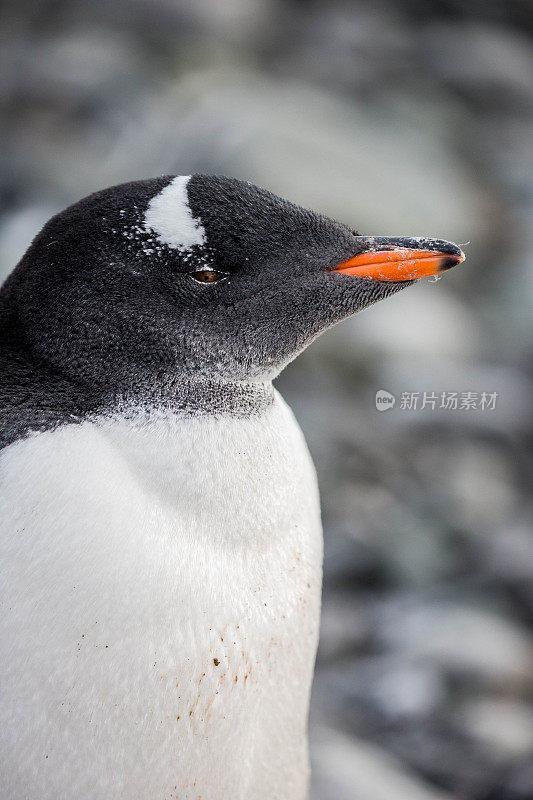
[450,261]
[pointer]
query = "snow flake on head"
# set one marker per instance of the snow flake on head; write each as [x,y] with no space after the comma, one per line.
[169,216]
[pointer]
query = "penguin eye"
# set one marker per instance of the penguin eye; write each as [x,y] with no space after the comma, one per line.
[208,275]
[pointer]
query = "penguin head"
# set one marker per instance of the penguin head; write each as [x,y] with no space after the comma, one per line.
[198,275]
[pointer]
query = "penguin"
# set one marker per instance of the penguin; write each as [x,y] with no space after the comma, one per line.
[161,543]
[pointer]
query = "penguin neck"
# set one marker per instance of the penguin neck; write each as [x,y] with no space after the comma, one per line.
[199,396]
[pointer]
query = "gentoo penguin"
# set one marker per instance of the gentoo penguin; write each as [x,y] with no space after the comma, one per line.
[161,543]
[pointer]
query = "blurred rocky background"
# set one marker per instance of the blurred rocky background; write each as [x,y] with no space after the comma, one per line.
[397,117]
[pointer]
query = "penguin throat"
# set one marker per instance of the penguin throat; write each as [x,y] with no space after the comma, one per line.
[195,396]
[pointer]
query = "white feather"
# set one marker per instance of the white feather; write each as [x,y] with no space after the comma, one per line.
[134,554]
[169,216]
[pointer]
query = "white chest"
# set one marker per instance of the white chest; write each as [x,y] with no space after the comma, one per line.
[160,609]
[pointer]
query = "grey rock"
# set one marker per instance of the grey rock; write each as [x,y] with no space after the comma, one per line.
[345,768]
[463,640]
[504,726]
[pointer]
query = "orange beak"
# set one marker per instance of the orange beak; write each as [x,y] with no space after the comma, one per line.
[400,264]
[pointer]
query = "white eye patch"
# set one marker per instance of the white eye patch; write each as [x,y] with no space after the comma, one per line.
[169,216]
